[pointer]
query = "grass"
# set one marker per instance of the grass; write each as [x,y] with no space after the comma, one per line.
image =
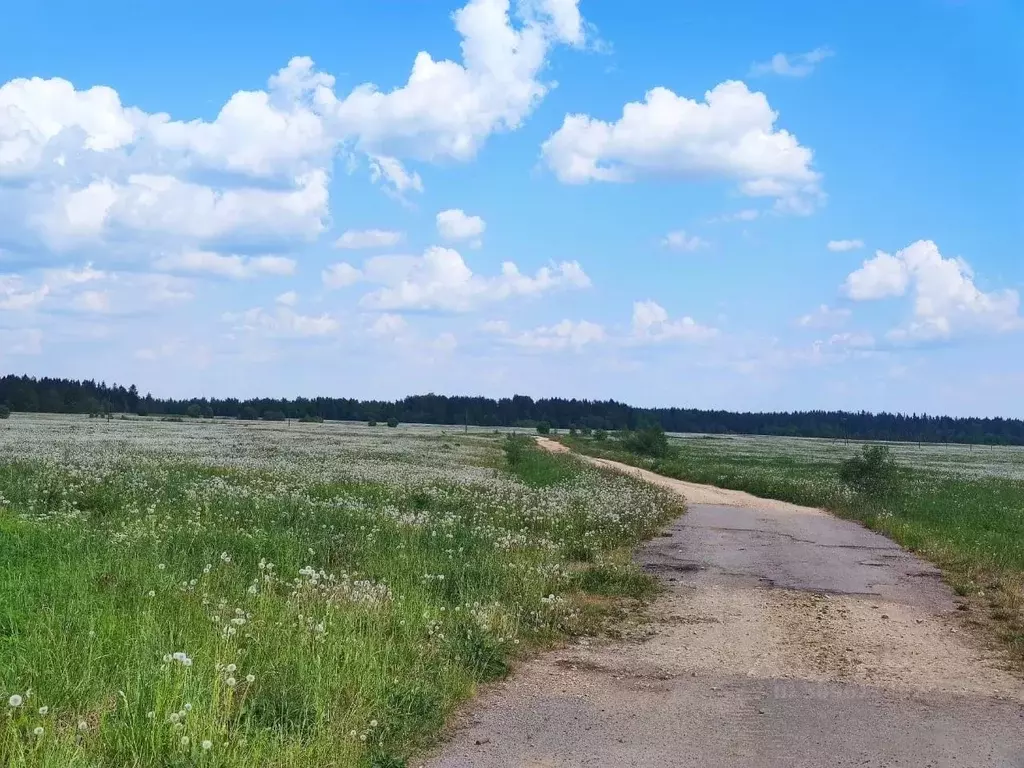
[223,594]
[967,520]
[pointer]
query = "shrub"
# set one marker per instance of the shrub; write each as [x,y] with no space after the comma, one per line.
[543,428]
[371,423]
[273,416]
[392,422]
[5,412]
[248,413]
[649,441]
[873,473]
[600,435]
[310,418]
[194,411]
[208,412]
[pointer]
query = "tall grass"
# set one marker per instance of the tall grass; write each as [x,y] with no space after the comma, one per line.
[210,595]
[970,525]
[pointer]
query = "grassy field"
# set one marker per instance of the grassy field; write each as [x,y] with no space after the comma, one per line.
[227,594]
[961,507]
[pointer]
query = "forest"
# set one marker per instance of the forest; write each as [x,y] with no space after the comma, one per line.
[53,395]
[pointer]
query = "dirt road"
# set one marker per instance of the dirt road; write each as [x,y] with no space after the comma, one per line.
[786,637]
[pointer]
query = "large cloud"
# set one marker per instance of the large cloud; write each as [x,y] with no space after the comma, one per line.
[731,134]
[946,299]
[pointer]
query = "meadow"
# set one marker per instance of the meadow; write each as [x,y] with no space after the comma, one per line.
[960,506]
[221,593]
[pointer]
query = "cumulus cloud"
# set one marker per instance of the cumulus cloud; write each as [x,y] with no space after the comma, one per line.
[731,134]
[358,239]
[388,326]
[946,299]
[747,214]
[287,299]
[840,246]
[15,296]
[792,64]
[440,279]
[226,265]
[454,225]
[340,275]
[92,301]
[564,335]
[680,241]
[281,322]
[651,323]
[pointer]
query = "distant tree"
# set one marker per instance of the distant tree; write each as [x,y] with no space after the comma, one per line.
[371,423]
[194,411]
[208,412]
[600,435]
[873,472]
[311,419]
[392,422]
[649,441]
[273,416]
[248,413]
[5,412]
[544,428]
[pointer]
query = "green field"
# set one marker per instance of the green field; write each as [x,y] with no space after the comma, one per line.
[961,507]
[225,594]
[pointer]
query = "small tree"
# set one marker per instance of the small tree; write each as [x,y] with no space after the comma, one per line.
[371,423]
[273,416]
[5,412]
[649,441]
[248,413]
[194,411]
[543,428]
[392,422]
[600,435]
[208,412]
[873,473]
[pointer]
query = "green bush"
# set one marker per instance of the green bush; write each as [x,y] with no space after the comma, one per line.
[371,423]
[392,422]
[5,412]
[600,435]
[247,413]
[873,473]
[649,441]
[273,416]
[194,411]
[543,428]
[312,419]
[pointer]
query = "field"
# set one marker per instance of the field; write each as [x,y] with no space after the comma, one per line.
[962,507]
[214,593]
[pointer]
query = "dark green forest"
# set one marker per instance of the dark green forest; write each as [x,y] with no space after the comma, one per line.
[48,395]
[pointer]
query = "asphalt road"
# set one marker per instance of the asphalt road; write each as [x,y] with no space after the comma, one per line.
[786,637]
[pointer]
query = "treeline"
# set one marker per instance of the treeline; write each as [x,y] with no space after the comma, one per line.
[23,393]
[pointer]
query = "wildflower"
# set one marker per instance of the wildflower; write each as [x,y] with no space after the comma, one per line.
[150,715]
[188,707]
[14,701]
[373,723]
[187,662]
[184,741]
[43,711]
[161,566]
[231,682]
[207,744]
[38,730]
[151,593]
[83,726]
[250,678]
[231,668]
[174,717]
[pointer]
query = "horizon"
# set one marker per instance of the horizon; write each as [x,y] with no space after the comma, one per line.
[805,210]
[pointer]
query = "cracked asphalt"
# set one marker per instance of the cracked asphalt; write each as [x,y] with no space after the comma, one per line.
[785,637]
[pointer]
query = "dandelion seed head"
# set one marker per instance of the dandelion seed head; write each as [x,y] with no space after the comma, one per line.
[43,711]
[15,701]
[207,744]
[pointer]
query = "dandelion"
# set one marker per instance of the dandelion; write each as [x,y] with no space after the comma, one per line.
[14,701]
[150,715]
[161,566]
[174,717]
[83,726]
[38,730]
[184,741]
[151,593]
[373,723]
[231,682]
[207,744]
[250,678]
[43,711]
[231,668]
[188,707]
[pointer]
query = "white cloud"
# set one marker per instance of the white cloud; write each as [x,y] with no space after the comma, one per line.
[92,301]
[731,134]
[15,297]
[824,317]
[281,322]
[840,246]
[946,300]
[651,323]
[499,327]
[357,239]
[448,109]
[852,339]
[388,326]
[393,176]
[287,299]
[226,265]
[454,224]
[340,275]
[680,241]
[564,335]
[792,65]
[441,279]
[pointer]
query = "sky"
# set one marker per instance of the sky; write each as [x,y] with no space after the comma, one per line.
[737,205]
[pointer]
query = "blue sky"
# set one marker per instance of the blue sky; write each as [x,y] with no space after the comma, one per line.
[738,205]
